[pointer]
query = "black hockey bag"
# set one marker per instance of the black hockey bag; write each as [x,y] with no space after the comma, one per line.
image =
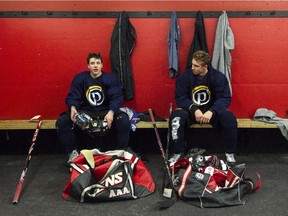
[212,187]
[108,176]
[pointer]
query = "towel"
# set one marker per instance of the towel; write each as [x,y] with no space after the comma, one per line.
[269,116]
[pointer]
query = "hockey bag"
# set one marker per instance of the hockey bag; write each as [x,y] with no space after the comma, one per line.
[108,176]
[213,187]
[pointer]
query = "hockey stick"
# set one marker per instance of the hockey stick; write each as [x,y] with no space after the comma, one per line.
[169,192]
[167,148]
[168,132]
[21,180]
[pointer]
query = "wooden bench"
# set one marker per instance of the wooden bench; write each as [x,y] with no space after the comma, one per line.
[50,124]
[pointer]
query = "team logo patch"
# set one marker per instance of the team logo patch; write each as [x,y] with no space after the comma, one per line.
[199,176]
[201,95]
[95,95]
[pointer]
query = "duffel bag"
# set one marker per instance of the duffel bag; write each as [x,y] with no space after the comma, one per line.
[108,176]
[213,187]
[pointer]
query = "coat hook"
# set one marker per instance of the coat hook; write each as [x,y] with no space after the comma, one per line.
[273,12]
[149,13]
[248,13]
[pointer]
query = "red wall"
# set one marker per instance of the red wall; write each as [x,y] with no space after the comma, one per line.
[40,56]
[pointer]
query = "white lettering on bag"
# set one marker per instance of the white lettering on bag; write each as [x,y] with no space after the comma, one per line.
[110,181]
[119,192]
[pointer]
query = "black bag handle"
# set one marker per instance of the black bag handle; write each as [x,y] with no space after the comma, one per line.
[257,183]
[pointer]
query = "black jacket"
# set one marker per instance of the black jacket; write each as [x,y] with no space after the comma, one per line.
[199,40]
[122,43]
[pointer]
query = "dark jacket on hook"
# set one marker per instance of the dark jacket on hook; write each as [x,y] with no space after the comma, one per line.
[122,43]
[199,40]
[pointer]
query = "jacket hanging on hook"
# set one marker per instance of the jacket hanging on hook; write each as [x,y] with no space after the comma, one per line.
[122,44]
[199,41]
[223,46]
[173,45]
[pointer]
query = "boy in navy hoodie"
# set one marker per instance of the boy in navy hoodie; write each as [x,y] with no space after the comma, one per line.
[97,94]
[202,96]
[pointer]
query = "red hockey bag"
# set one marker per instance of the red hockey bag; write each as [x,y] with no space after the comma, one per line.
[212,187]
[108,176]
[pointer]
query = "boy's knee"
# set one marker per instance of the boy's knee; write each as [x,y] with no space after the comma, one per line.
[228,118]
[122,121]
[178,117]
[63,122]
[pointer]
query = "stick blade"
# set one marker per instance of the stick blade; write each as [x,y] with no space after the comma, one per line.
[167,202]
[168,192]
[170,197]
[37,117]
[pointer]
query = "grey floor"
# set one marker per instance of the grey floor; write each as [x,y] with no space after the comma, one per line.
[47,176]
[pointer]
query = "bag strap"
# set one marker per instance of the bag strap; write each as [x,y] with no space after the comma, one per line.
[256,185]
[89,156]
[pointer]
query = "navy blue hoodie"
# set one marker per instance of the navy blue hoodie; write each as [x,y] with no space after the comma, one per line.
[95,94]
[210,92]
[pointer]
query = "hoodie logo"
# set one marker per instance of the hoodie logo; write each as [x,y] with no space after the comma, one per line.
[95,95]
[201,95]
